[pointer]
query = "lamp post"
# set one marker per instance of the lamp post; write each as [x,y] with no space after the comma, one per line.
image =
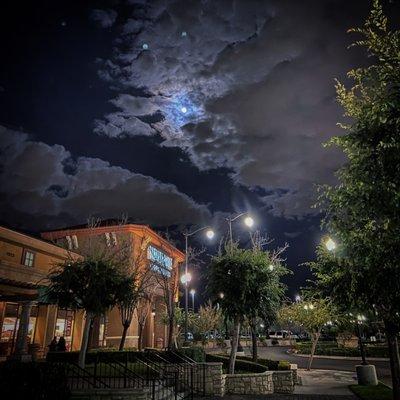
[249,221]
[330,244]
[192,292]
[360,320]
[187,277]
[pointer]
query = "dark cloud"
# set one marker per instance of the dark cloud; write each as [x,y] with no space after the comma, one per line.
[255,80]
[104,18]
[35,181]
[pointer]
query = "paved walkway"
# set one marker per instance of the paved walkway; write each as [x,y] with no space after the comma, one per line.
[325,382]
[280,397]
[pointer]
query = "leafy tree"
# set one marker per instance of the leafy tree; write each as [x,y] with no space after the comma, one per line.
[363,209]
[207,319]
[237,278]
[91,285]
[177,323]
[266,294]
[312,315]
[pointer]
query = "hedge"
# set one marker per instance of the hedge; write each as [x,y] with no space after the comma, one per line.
[334,350]
[242,365]
[196,353]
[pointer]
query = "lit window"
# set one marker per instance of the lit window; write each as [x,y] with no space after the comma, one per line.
[29,258]
[159,261]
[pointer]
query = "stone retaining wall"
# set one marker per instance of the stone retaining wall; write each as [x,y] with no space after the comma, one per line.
[283,381]
[254,383]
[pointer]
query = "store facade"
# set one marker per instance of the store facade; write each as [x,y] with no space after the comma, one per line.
[26,324]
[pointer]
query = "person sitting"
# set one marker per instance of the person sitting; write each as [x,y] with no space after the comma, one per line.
[53,344]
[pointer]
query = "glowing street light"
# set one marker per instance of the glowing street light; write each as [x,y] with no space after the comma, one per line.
[186,278]
[330,244]
[210,234]
[221,295]
[271,267]
[192,292]
[184,109]
[145,46]
[248,221]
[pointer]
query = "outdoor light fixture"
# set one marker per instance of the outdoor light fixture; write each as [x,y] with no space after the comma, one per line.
[186,278]
[221,295]
[210,234]
[297,298]
[145,46]
[184,110]
[249,221]
[271,267]
[330,245]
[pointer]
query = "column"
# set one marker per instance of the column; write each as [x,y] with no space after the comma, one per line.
[21,351]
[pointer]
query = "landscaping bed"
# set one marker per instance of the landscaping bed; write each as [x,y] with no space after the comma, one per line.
[332,349]
[381,392]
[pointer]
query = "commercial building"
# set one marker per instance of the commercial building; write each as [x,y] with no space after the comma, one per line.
[26,323]
[162,257]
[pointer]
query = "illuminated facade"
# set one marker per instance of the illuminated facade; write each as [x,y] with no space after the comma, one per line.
[163,258]
[26,324]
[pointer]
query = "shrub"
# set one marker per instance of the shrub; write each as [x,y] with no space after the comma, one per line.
[196,353]
[241,364]
[283,366]
[33,380]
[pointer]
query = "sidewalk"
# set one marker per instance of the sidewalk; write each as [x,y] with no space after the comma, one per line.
[370,359]
[325,382]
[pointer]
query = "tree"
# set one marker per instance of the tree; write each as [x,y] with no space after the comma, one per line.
[207,319]
[234,278]
[142,312]
[177,324]
[135,286]
[266,294]
[91,285]
[312,315]
[363,209]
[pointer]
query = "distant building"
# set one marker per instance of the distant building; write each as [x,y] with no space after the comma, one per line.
[162,256]
[25,323]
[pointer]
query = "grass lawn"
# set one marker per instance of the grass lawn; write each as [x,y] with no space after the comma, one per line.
[380,392]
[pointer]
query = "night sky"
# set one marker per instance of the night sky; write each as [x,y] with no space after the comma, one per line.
[175,113]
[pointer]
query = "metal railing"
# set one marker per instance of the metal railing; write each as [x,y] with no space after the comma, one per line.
[164,374]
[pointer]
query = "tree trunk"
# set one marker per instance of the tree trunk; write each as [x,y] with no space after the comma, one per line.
[124,332]
[140,337]
[313,347]
[171,334]
[254,341]
[85,340]
[393,346]
[235,341]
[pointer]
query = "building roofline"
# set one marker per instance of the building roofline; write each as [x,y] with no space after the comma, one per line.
[58,233]
[40,240]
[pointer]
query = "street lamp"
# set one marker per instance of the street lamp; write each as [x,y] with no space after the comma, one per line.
[330,244]
[210,234]
[360,320]
[192,292]
[249,221]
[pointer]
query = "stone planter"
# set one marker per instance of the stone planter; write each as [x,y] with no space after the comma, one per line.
[366,375]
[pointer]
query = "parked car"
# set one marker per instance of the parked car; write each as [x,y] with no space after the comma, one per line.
[279,334]
[189,336]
